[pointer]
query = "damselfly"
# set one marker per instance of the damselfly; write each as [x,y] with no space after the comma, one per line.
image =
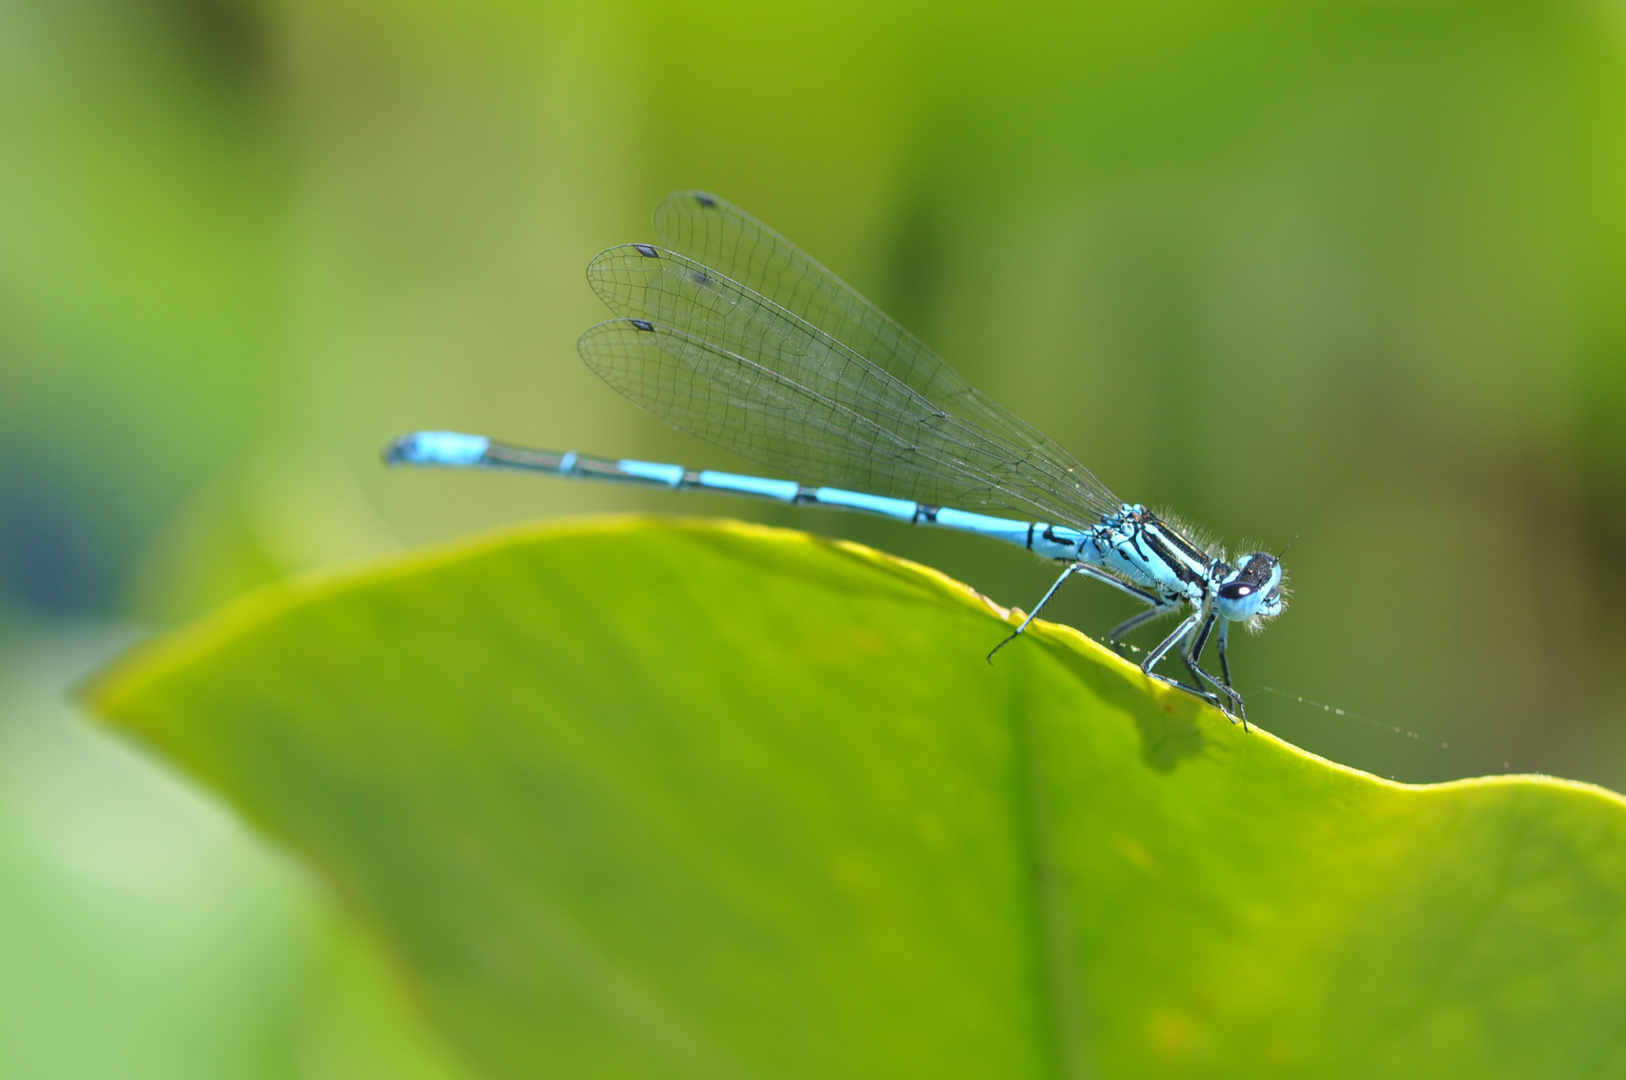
[729,332]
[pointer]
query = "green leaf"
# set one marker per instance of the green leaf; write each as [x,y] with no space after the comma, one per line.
[632,799]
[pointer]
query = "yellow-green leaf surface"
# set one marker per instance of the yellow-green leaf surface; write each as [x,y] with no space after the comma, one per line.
[642,799]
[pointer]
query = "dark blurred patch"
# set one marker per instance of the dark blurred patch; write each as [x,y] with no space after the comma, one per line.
[231,40]
[914,265]
[49,557]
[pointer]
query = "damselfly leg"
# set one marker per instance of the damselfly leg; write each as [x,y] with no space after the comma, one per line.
[1189,638]
[1158,610]
[1181,632]
[1193,657]
[1088,571]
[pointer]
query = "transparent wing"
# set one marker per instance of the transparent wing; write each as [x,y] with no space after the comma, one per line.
[721,397]
[805,375]
[718,234]
[714,233]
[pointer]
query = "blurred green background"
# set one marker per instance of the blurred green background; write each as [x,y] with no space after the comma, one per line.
[1350,272]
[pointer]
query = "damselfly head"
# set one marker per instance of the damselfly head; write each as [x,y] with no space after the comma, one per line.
[1252,591]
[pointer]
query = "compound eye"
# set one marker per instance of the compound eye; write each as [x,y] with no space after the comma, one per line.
[1237,590]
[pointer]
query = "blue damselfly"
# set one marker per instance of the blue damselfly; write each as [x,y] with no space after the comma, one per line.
[729,332]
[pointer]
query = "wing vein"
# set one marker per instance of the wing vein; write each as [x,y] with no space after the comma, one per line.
[756,348]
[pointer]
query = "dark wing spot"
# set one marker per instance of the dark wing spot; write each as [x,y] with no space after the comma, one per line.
[700,277]
[646,327]
[647,251]
[705,200]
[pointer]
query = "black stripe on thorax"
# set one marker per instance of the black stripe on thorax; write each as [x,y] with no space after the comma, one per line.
[1181,568]
[1167,532]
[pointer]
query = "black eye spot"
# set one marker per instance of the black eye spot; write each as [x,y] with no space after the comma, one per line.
[1236,590]
[647,251]
[646,327]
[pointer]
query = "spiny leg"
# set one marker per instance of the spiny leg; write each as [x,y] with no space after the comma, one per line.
[1117,583]
[1199,638]
[1073,568]
[1157,611]
[1230,694]
[1225,671]
[1224,684]
[1180,632]
[1193,662]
